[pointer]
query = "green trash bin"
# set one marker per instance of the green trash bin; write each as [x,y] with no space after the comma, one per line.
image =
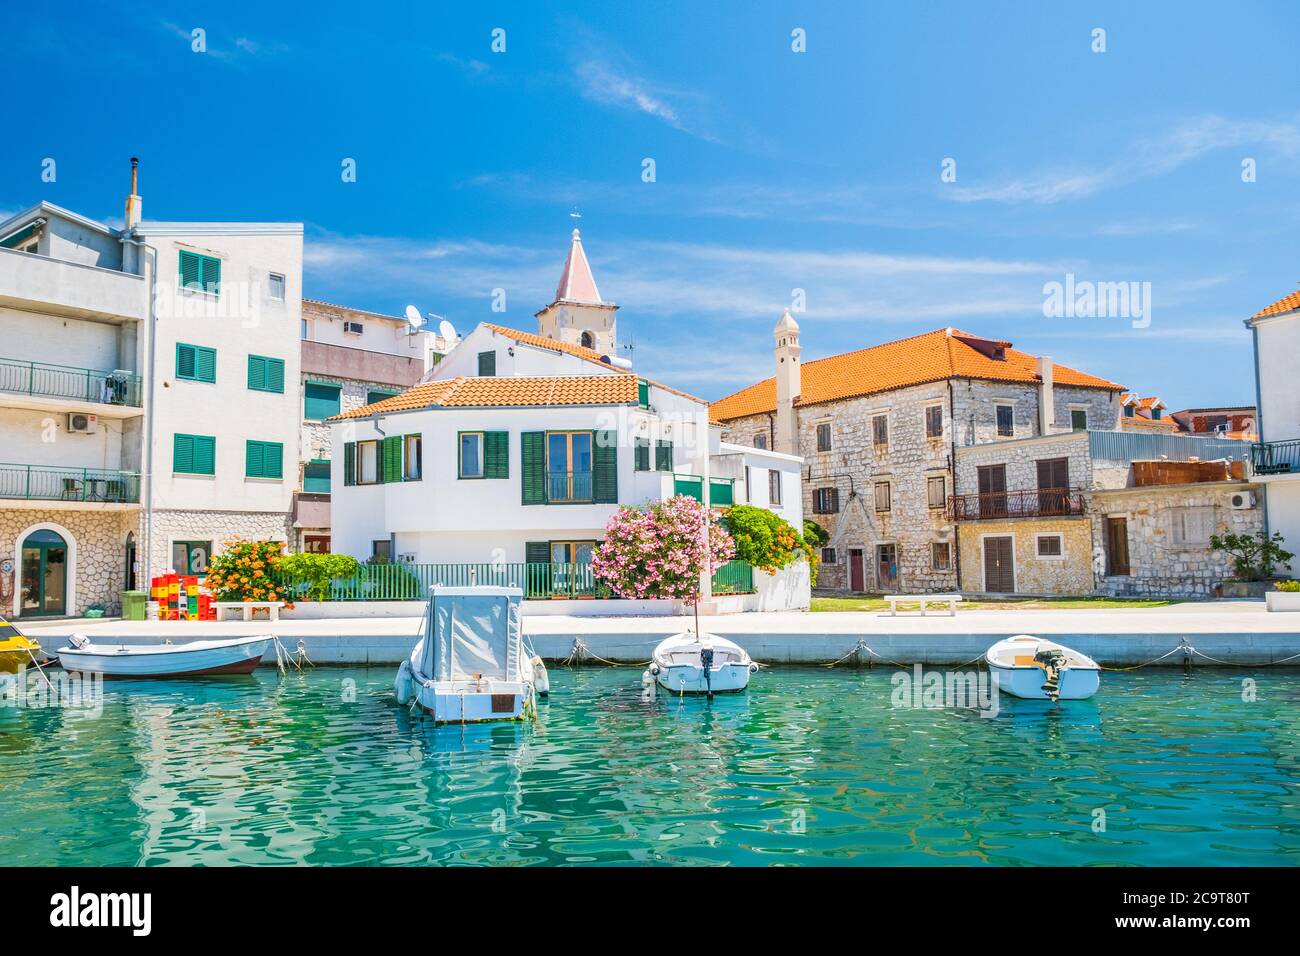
[133,603]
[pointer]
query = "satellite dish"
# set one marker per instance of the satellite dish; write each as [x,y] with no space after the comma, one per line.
[413,317]
[447,331]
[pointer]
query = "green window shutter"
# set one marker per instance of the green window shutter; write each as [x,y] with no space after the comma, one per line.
[722,493]
[604,467]
[642,455]
[205,454]
[316,476]
[378,395]
[205,364]
[275,375]
[257,372]
[185,364]
[663,456]
[263,459]
[253,459]
[532,467]
[265,374]
[321,401]
[643,393]
[487,363]
[194,454]
[190,271]
[537,569]
[183,453]
[350,463]
[274,452]
[211,275]
[392,459]
[496,454]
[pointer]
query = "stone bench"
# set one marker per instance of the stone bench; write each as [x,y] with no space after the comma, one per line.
[952,600]
[272,609]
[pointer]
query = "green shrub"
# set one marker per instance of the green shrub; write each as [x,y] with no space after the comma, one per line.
[1253,555]
[767,541]
[317,571]
[815,534]
[1291,586]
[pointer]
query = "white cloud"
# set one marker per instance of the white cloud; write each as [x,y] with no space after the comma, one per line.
[600,82]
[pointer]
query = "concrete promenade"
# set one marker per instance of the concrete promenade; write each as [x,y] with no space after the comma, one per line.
[1236,632]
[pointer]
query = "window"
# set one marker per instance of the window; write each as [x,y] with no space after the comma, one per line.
[275,286]
[471,455]
[378,395]
[303,330]
[824,436]
[263,459]
[826,501]
[773,488]
[413,460]
[828,555]
[381,550]
[1006,420]
[1049,546]
[749,495]
[367,462]
[934,421]
[936,491]
[1156,412]
[316,476]
[569,466]
[191,557]
[194,363]
[1117,546]
[487,363]
[194,454]
[643,393]
[1189,526]
[880,430]
[1053,483]
[321,401]
[940,556]
[641,454]
[265,374]
[587,340]
[200,273]
[1079,419]
[760,441]
[1130,411]
[663,456]
[882,496]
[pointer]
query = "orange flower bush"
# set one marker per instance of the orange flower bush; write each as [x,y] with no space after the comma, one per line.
[236,574]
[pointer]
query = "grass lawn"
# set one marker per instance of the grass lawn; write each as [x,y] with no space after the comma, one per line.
[874,602]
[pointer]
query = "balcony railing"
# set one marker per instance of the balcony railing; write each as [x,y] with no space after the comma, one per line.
[45,483]
[1039,503]
[1275,457]
[568,486]
[539,581]
[67,381]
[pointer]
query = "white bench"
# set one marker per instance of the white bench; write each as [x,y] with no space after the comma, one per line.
[952,600]
[272,609]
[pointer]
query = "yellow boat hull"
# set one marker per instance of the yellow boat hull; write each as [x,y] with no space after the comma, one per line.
[16,651]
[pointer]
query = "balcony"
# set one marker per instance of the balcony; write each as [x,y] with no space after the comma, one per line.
[568,487]
[75,487]
[115,394]
[38,283]
[1276,457]
[1039,503]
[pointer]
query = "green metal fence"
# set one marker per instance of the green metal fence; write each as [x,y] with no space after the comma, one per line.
[68,381]
[46,483]
[411,582]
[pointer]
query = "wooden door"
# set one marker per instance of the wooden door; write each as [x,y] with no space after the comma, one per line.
[993,490]
[857,579]
[1117,546]
[999,566]
[887,566]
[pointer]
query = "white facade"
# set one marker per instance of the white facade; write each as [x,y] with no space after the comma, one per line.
[1277,458]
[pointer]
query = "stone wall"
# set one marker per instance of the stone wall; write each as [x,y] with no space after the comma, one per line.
[99,541]
[215,526]
[1071,573]
[1159,567]
[1021,458]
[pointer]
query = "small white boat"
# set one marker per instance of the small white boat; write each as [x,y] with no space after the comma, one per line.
[706,664]
[1039,669]
[471,664]
[239,655]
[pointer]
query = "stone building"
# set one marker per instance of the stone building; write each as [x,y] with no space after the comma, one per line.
[879,430]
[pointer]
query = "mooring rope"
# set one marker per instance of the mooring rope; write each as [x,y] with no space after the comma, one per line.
[39,670]
[580,652]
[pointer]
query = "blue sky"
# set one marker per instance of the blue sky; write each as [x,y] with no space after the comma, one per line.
[774,170]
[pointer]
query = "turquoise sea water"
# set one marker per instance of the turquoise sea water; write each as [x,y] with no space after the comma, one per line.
[811,766]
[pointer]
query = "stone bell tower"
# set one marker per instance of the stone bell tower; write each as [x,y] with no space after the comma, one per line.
[788,383]
[578,315]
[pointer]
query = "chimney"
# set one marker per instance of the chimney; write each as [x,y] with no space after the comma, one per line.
[133,201]
[788,383]
[1046,396]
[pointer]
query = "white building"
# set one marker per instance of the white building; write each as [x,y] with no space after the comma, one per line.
[1276,458]
[148,399]
[521,447]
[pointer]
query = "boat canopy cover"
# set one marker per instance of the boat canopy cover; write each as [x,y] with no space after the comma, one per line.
[473,631]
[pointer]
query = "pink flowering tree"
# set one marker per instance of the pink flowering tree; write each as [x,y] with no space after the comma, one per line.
[661,550]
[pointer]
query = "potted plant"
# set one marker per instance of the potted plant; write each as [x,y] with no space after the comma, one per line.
[1285,598]
[1253,557]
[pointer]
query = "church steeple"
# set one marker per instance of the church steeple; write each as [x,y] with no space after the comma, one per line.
[579,315]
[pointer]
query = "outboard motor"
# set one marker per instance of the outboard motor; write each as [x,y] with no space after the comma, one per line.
[1053,662]
[706,661]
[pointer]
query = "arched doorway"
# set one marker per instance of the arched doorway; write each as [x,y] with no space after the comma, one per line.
[128,576]
[44,574]
[588,340]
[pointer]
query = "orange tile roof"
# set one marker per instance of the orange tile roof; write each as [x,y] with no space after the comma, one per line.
[1288,303]
[930,357]
[490,392]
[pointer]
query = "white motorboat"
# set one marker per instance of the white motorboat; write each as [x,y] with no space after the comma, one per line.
[1039,669]
[471,664]
[239,655]
[705,664]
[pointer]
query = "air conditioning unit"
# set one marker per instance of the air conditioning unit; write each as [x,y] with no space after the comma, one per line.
[1243,499]
[408,558]
[82,424]
[353,328]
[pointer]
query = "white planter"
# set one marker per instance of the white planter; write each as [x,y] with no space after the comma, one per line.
[1282,600]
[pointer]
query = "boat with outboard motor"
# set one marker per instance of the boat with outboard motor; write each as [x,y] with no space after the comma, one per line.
[1038,669]
[472,663]
[17,650]
[688,663]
